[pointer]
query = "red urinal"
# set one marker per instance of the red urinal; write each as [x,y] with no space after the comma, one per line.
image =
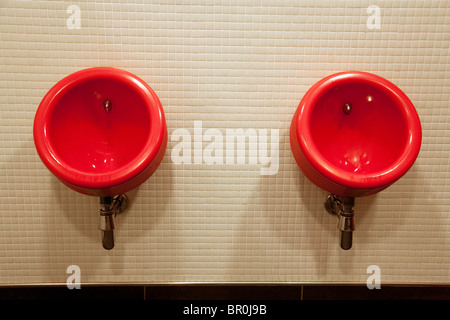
[101,132]
[354,134]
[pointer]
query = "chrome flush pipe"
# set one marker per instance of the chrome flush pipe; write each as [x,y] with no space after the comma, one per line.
[342,207]
[109,208]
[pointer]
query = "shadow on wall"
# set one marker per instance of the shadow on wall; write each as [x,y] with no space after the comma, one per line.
[289,232]
[82,215]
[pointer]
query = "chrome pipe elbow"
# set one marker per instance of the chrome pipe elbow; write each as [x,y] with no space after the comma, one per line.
[342,207]
[109,208]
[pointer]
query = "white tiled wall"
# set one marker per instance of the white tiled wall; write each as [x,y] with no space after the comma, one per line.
[229,64]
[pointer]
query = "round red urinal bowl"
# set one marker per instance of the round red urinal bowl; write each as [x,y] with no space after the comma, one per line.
[355,133]
[101,131]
